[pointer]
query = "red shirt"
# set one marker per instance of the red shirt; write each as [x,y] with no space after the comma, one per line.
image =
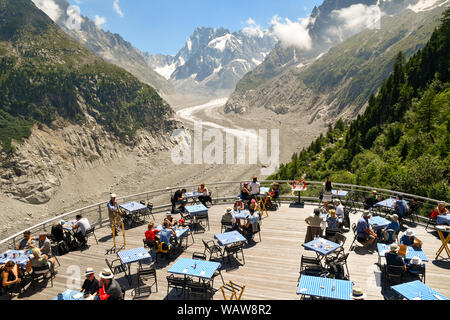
[436,212]
[150,234]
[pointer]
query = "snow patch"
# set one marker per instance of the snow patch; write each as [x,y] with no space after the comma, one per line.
[166,71]
[424,5]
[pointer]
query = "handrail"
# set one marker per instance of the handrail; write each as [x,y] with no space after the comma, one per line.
[170,189]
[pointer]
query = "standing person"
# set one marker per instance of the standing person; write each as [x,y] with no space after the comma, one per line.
[109,288]
[81,225]
[90,285]
[114,214]
[254,187]
[327,188]
[205,197]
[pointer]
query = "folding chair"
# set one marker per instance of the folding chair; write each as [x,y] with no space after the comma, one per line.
[199,256]
[203,289]
[39,273]
[340,262]
[225,226]
[55,252]
[90,232]
[389,236]
[202,217]
[213,249]
[355,239]
[233,250]
[393,274]
[177,283]
[310,266]
[417,271]
[433,220]
[234,288]
[115,267]
[144,275]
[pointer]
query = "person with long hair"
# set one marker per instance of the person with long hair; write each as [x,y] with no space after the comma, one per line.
[327,188]
[205,197]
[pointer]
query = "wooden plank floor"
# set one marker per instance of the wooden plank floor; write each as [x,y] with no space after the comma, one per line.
[271,268]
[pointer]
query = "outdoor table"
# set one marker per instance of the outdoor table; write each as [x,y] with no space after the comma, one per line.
[21,259]
[68,225]
[388,203]
[202,269]
[298,204]
[339,193]
[241,214]
[325,288]
[180,233]
[227,238]
[133,255]
[443,219]
[71,295]
[410,252]
[445,240]
[417,290]
[378,222]
[193,195]
[321,247]
[197,209]
[264,190]
[132,209]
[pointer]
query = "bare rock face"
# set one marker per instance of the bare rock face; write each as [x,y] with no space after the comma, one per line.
[34,171]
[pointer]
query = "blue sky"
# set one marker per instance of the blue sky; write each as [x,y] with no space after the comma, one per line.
[162,26]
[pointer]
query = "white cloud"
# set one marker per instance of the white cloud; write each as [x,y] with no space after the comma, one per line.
[356,18]
[74,19]
[252,29]
[292,34]
[99,21]
[50,8]
[117,8]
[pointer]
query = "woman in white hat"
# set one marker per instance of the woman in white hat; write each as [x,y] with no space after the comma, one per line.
[393,258]
[416,267]
[109,287]
[238,204]
[358,294]
[409,239]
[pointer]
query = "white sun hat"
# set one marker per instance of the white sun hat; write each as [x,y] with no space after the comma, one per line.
[409,233]
[416,261]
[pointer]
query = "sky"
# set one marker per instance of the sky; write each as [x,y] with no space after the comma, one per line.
[163,26]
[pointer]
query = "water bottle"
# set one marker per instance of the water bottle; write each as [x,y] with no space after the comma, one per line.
[60,296]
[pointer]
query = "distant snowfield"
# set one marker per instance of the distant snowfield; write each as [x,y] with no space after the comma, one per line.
[424,5]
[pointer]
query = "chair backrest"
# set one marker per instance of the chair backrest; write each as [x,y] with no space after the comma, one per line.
[199,256]
[389,235]
[41,269]
[394,271]
[354,228]
[175,281]
[109,265]
[206,245]
[340,238]
[142,202]
[202,215]
[89,231]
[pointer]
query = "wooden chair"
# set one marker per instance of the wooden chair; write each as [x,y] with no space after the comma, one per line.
[235,289]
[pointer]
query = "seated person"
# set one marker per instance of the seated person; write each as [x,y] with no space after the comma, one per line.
[314,223]
[372,200]
[273,194]
[414,207]
[251,224]
[27,242]
[80,227]
[229,219]
[245,193]
[415,265]
[109,288]
[166,233]
[439,210]
[253,205]
[238,205]
[394,225]
[62,237]
[10,274]
[333,221]
[339,207]
[170,219]
[90,285]
[44,244]
[179,197]
[364,231]
[206,196]
[39,260]
[409,239]
[150,235]
[393,258]
[401,207]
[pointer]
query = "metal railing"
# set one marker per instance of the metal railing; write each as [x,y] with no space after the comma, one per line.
[224,192]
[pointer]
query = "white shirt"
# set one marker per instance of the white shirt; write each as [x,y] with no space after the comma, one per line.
[340,210]
[83,225]
[254,187]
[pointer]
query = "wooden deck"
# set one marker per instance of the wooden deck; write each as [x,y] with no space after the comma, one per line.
[271,268]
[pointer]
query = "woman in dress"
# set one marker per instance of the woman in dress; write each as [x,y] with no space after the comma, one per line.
[327,188]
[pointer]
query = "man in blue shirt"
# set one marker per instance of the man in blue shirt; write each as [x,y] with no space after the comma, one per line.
[393,258]
[401,207]
[364,231]
[166,233]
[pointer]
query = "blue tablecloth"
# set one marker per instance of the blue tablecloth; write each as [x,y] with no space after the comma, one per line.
[228,238]
[194,194]
[388,203]
[410,252]
[179,232]
[21,258]
[241,215]
[443,219]
[339,193]
[378,222]
[325,287]
[134,255]
[417,290]
[195,210]
[69,295]
[194,268]
[321,246]
[133,206]
[263,190]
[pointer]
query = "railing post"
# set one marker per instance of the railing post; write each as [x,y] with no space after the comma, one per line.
[100,215]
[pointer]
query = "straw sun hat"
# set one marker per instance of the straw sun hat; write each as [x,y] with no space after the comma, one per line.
[358,294]
[106,274]
[89,271]
[394,247]
[228,210]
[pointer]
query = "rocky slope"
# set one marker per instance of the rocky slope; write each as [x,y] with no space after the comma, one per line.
[111,47]
[213,60]
[336,83]
[63,108]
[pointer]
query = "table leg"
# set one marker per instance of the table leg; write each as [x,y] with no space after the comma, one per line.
[444,244]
